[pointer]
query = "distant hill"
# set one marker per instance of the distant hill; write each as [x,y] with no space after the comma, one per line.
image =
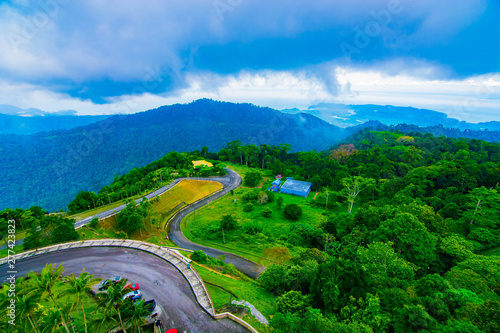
[351,115]
[15,124]
[49,168]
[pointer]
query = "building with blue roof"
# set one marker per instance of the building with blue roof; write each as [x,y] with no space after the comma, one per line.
[296,187]
[275,185]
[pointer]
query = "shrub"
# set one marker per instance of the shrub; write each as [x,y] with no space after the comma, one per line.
[263,198]
[292,302]
[250,196]
[273,279]
[304,235]
[279,202]
[94,223]
[228,223]
[270,196]
[252,178]
[252,228]
[248,207]
[267,212]
[292,212]
[199,256]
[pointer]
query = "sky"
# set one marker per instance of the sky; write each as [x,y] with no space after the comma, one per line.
[121,56]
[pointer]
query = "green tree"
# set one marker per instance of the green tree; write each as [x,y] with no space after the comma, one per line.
[49,277]
[112,299]
[292,212]
[273,279]
[79,287]
[27,307]
[384,267]
[353,186]
[292,302]
[136,313]
[228,222]
[252,178]
[410,237]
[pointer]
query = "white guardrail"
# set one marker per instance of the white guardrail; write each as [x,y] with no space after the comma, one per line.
[180,262]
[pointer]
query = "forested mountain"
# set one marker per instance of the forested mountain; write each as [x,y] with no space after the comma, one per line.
[14,124]
[436,130]
[402,237]
[48,169]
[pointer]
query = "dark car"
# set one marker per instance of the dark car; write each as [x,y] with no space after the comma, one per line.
[106,283]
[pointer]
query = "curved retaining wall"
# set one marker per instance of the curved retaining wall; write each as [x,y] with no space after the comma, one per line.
[178,261]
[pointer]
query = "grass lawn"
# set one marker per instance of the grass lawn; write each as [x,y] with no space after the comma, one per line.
[247,290]
[243,169]
[202,226]
[85,214]
[17,249]
[185,192]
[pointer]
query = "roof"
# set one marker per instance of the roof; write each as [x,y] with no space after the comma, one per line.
[202,162]
[276,182]
[296,185]
[279,177]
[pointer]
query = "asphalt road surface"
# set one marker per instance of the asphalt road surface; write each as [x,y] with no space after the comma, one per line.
[229,182]
[157,279]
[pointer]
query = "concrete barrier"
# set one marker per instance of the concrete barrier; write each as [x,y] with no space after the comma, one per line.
[180,262]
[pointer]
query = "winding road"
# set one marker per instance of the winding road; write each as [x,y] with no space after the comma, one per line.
[157,279]
[229,182]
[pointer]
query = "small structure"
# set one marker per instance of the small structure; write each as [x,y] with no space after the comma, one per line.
[296,187]
[279,177]
[201,163]
[275,185]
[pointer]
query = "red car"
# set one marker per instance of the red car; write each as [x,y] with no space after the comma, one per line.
[132,286]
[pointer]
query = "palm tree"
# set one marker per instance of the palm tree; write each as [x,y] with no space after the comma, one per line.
[49,277]
[104,320]
[51,322]
[113,299]
[135,313]
[80,286]
[27,305]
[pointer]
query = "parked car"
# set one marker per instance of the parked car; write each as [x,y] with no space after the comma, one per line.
[150,305]
[132,286]
[133,295]
[106,283]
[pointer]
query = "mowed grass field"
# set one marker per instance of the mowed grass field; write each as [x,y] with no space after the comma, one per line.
[261,247]
[185,192]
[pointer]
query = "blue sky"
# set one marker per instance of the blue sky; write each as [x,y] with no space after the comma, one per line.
[127,56]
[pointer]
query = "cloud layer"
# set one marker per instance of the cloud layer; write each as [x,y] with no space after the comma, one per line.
[127,56]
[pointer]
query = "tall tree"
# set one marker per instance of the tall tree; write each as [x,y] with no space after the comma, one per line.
[79,287]
[49,277]
[353,186]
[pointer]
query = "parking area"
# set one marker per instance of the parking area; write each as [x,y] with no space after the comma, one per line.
[157,279]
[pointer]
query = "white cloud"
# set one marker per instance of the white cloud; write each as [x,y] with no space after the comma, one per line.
[473,99]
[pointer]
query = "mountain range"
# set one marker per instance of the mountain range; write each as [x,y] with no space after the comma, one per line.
[351,115]
[14,120]
[49,168]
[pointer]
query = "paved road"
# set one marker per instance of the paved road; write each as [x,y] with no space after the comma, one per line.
[156,278]
[229,182]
